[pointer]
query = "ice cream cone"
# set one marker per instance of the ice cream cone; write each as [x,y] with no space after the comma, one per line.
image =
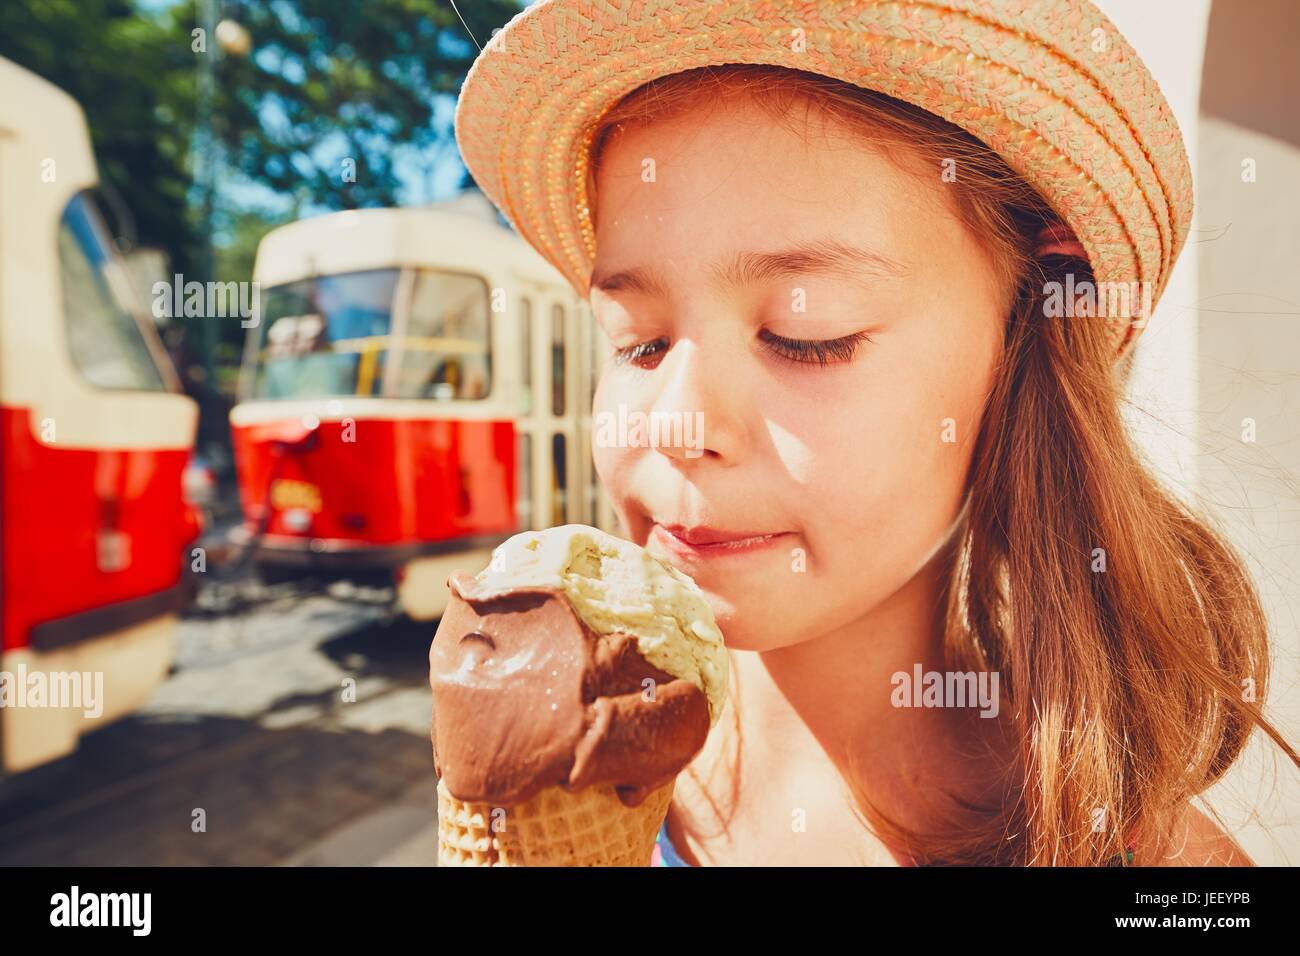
[591,827]
[575,672]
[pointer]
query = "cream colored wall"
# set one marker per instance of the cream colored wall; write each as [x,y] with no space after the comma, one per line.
[1169,36]
[1224,345]
[1249,329]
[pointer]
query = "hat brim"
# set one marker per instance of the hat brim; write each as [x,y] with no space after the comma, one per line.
[1052,87]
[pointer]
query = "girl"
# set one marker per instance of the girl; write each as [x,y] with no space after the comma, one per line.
[965,623]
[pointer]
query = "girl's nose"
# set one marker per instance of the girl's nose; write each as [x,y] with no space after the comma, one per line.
[698,405]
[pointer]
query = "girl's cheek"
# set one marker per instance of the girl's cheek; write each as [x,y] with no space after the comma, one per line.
[605,457]
[863,462]
[614,464]
[602,406]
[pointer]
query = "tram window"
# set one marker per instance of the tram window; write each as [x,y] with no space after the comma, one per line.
[447,351]
[557,359]
[328,335]
[524,492]
[107,345]
[526,314]
[559,480]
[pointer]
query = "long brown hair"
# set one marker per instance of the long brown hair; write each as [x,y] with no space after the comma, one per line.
[1125,686]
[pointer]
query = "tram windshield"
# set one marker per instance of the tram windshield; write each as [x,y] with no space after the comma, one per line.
[105,334]
[335,335]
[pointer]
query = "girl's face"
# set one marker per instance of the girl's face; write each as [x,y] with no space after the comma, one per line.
[725,240]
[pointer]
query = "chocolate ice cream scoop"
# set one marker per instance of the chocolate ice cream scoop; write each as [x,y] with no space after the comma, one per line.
[527,695]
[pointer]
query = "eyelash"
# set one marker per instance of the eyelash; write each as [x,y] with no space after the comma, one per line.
[799,351]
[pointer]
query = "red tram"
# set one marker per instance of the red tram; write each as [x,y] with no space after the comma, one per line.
[94,440]
[417,389]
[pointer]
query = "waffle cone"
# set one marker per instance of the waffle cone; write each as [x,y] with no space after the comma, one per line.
[554,828]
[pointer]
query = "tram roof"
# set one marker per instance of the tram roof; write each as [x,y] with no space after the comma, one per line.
[412,237]
[47,126]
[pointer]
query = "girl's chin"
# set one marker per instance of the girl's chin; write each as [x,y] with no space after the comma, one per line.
[727,615]
[752,642]
[739,624]
[742,603]
[764,621]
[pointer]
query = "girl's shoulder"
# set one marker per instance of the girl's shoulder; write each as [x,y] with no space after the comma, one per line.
[1195,840]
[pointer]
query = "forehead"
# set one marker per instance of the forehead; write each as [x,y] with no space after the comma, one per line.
[731,175]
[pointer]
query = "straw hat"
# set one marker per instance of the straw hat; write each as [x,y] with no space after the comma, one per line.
[1050,85]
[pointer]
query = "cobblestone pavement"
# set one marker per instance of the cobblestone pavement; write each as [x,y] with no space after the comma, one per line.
[257,736]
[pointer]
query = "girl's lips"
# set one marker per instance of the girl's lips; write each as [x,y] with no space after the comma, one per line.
[708,543]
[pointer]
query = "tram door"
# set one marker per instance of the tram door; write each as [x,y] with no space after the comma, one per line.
[592,349]
[562,396]
[562,348]
[547,435]
[530,424]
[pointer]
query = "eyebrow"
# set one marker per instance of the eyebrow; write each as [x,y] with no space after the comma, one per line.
[820,257]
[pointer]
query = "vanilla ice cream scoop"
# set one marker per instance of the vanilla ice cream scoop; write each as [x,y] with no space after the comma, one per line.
[616,585]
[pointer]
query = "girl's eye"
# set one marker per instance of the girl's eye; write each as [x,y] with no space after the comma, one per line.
[642,353]
[815,351]
[803,351]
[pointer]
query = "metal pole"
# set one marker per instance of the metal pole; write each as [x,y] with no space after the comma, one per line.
[206,164]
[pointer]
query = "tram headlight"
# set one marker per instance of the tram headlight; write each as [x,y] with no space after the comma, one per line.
[297,520]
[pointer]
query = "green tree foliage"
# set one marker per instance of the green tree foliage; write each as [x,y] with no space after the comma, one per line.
[333,87]
[326,81]
[133,79]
